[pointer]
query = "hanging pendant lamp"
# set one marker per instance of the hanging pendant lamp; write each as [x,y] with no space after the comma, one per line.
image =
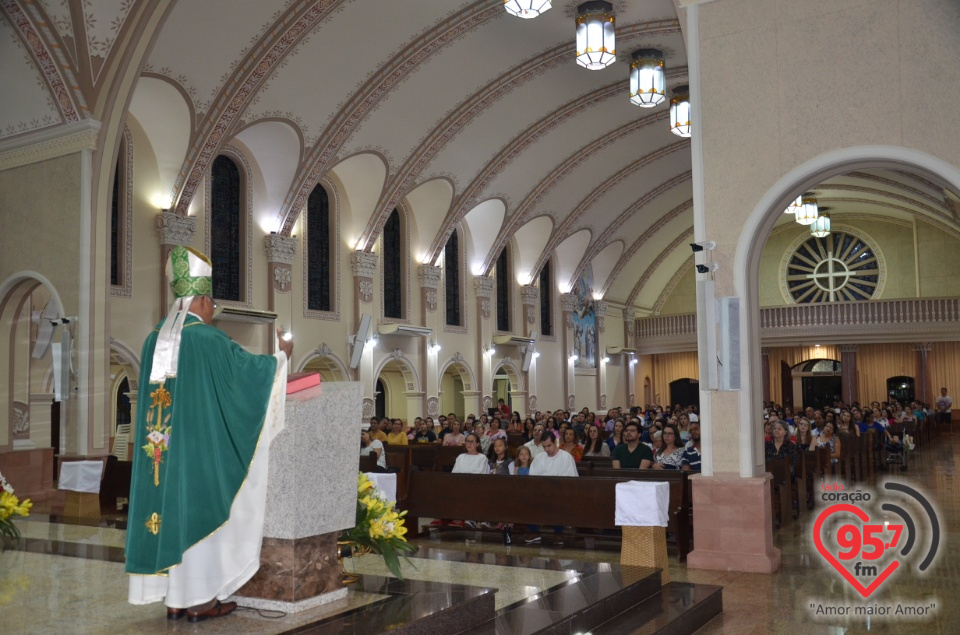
[648,81]
[680,112]
[820,227]
[526,9]
[808,211]
[596,35]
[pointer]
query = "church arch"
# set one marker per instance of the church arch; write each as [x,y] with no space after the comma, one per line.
[753,238]
[327,363]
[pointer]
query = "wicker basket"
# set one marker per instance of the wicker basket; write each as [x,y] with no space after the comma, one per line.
[646,547]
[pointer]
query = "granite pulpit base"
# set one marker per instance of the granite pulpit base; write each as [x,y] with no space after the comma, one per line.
[311,500]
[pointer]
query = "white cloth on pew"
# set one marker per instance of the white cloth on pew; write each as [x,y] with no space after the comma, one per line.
[386,483]
[642,504]
[81,476]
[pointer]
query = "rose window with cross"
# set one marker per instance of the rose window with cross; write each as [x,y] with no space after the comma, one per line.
[839,267]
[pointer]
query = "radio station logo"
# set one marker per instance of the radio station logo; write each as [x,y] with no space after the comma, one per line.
[867,550]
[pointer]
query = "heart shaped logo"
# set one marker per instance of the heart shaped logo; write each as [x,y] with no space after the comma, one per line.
[851,539]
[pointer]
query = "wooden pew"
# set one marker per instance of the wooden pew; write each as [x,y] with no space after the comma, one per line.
[781,490]
[588,501]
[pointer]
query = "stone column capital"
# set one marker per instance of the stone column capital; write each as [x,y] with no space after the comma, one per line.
[629,314]
[174,229]
[363,264]
[529,294]
[280,249]
[848,348]
[568,302]
[429,276]
[922,347]
[484,286]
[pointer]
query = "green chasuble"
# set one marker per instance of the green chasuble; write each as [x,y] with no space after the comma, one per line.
[196,435]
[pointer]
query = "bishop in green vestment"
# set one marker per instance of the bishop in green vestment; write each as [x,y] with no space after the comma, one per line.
[207,411]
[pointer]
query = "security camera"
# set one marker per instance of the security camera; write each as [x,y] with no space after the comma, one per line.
[707,268]
[703,245]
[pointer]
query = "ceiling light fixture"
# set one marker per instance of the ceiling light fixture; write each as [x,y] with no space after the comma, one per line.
[821,226]
[680,111]
[596,35]
[526,9]
[808,211]
[648,81]
[795,206]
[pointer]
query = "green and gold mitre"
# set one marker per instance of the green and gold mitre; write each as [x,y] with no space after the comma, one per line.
[189,272]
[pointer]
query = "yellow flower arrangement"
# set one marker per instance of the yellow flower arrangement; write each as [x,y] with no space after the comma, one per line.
[379,527]
[11,506]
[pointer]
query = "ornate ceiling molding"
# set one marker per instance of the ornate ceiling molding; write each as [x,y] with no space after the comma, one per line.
[672,285]
[565,230]
[677,242]
[560,172]
[240,88]
[626,256]
[462,115]
[321,156]
[43,43]
[49,144]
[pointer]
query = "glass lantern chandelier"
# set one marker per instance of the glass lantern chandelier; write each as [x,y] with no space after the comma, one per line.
[648,82]
[808,211]
[680,111]
[820,227]
[596,36]
[793,207]
[526,9]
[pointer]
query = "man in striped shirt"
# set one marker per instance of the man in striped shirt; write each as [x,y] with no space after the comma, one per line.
[691,454]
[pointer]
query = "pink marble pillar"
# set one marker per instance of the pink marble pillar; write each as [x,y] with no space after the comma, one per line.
[923,390]
[732,526]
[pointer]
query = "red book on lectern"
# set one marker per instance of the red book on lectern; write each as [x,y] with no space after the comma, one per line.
[301,381]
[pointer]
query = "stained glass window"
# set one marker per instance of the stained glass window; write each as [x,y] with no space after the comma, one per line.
[451,279]
[392,267]
[318,250]
[226,228]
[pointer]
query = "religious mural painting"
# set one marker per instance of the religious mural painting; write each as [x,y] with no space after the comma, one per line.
[585,321]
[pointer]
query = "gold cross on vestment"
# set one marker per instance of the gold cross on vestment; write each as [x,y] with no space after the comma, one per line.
[153,524]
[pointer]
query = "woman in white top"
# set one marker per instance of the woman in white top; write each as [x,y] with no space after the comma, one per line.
[373,446]
[472,461]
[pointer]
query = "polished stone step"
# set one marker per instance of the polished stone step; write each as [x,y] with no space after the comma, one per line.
[681,608]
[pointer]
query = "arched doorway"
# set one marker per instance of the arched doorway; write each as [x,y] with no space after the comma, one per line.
[508,385]
[29,337]
[757,229]
[685,392]
[818,382]
[456,378]
[327,363]
[399,385]
[901,388]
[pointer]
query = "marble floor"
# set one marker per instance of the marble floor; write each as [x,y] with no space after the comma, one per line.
[66,578]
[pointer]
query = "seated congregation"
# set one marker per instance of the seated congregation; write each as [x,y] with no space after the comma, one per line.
[656,443]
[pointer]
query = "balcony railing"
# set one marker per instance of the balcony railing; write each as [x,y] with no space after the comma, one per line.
[881,320]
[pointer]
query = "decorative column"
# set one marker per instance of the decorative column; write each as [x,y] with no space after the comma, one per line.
[173,231]
[765,372]
[600,310]
[848,373]
[630,341]
[429,277]
[530,297]
[484,288]
[364,268]
[281,251]
[568,303]
[924,390]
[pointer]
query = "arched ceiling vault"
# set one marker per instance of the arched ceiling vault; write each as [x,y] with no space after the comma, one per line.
[474,117]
